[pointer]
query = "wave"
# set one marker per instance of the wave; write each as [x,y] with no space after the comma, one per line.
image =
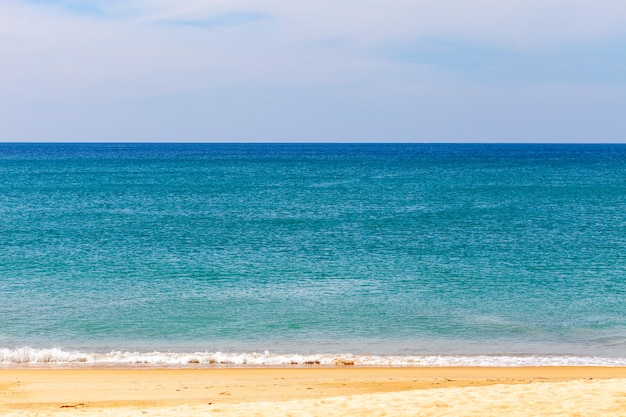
[29,356]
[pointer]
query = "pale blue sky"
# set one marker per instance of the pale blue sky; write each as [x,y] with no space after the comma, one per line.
[349,71]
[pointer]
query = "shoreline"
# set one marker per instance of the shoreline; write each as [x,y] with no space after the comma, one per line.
[34,357]
[307,390]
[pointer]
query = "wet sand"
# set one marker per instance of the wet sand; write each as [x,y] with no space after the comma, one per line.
[338,391]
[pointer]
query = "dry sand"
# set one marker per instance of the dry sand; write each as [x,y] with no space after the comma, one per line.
[340,391]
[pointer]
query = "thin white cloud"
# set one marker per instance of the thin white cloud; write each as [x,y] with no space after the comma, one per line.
[521,21]
[154,49]
[525,22]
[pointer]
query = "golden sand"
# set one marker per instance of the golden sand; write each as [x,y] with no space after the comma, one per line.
[342,391]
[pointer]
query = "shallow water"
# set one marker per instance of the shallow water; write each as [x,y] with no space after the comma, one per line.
[406,250]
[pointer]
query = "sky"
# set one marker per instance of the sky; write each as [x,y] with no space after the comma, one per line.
[313,71]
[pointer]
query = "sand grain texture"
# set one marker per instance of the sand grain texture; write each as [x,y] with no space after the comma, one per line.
[560,391]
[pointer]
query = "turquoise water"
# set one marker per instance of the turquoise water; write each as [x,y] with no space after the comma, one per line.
[386,250]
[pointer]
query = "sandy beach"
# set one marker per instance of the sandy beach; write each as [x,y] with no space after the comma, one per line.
[339,391]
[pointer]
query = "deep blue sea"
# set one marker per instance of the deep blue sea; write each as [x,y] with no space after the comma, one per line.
[264,254]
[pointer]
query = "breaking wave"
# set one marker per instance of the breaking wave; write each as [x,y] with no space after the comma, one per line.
[27,356]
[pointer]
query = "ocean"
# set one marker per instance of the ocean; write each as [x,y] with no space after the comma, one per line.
[278,254]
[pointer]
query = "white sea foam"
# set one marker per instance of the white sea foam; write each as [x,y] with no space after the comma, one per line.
[27,356]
